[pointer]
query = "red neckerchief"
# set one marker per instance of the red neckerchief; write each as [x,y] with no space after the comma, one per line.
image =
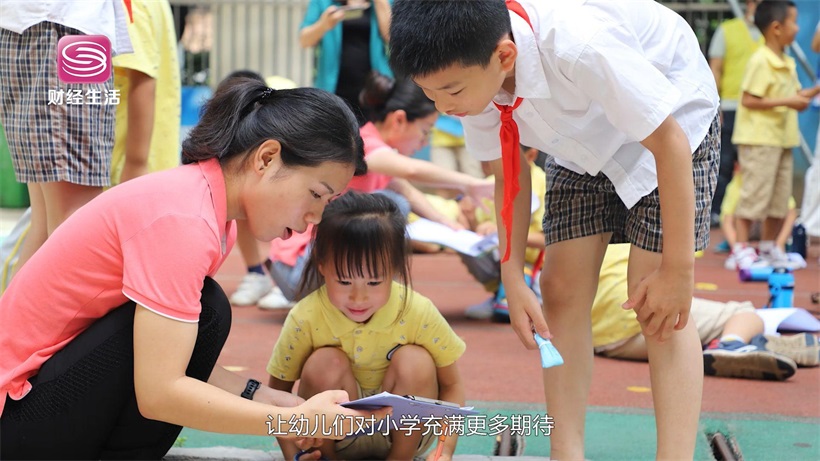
[510,150]
[128,8]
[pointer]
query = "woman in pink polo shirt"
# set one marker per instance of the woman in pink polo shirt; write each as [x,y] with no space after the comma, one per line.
[109,335]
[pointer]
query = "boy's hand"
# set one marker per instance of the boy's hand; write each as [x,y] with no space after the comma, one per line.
[662,302]
[798,102]
[525,313]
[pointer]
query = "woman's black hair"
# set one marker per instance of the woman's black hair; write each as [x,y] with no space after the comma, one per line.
[361,235]
[312,126]
[382,95]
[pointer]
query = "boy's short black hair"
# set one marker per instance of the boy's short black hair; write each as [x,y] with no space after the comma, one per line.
[770,11]
[427,36]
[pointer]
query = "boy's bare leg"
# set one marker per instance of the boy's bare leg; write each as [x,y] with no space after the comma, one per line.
[568,285]
[743,227]
[37,230]
[676,374]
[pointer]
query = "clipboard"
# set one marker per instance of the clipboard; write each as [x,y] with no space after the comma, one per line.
[410,406]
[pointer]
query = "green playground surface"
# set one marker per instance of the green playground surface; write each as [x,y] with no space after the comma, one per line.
[612,433]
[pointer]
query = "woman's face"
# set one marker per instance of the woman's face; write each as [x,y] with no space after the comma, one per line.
[282,200]
[409,137]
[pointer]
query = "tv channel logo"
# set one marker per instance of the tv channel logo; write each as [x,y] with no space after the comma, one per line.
[84,59]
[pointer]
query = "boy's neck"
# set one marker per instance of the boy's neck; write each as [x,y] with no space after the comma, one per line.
[776,47]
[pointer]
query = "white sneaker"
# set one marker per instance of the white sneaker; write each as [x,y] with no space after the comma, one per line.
[730,263]
[481,311]
[274,300]
[252,288]
[747,258]
[776,258]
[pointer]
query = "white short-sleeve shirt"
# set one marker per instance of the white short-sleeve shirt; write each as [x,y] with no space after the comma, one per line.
[596,78]
[92,17]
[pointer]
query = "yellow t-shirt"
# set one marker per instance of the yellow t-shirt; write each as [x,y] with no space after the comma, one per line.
[539,189]
[610,322]
[771,76]
[155,54]
[314,322]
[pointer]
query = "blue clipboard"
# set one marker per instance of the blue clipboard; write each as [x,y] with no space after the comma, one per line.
[410,406]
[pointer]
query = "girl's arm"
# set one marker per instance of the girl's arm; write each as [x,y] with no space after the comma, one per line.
[391,163]
[383,12]
[162,350]
[450,389]
[420,205]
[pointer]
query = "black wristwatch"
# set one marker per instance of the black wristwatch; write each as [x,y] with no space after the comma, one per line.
[250,389]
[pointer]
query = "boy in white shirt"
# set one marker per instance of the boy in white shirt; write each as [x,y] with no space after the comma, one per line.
[618,88]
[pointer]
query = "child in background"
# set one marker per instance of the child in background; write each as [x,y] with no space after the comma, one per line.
[400,119]
[256,286]
[448,150]
[146,133]
[621,96]
[766,130]
[487,268]
[364,330]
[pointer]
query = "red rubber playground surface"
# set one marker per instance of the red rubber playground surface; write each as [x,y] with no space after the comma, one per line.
[498,369]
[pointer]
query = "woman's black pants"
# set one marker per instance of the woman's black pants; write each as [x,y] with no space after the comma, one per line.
[82,404]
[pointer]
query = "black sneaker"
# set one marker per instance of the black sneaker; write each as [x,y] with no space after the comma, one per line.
[736,359]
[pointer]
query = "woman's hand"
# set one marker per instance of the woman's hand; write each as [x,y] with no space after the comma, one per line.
[326,418]
[331,16]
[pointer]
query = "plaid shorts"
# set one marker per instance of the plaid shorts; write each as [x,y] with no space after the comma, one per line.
[51,142]
[580,205]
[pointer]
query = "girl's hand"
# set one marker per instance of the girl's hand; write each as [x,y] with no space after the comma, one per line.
[662,302]
[443,457]
[486,228]
[327,419]
[526,313]
[483,190]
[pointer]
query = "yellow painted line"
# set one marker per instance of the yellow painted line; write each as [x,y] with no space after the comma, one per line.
[639,389]
[235,368]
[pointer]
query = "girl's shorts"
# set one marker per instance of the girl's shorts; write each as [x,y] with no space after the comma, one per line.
[580,205]
[53,135]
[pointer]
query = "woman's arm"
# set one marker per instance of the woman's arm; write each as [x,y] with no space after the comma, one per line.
[310,35]
[162,350]
[383,12]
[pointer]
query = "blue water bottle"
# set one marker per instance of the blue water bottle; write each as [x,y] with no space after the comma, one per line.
[755,274]
[781,288]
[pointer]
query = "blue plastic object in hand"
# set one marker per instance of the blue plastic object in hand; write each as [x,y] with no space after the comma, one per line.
[549,354]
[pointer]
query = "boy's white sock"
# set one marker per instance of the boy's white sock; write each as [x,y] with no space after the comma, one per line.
[766,246]
[738,247]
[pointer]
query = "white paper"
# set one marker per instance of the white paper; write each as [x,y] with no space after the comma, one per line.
[463,241]
[787,318]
